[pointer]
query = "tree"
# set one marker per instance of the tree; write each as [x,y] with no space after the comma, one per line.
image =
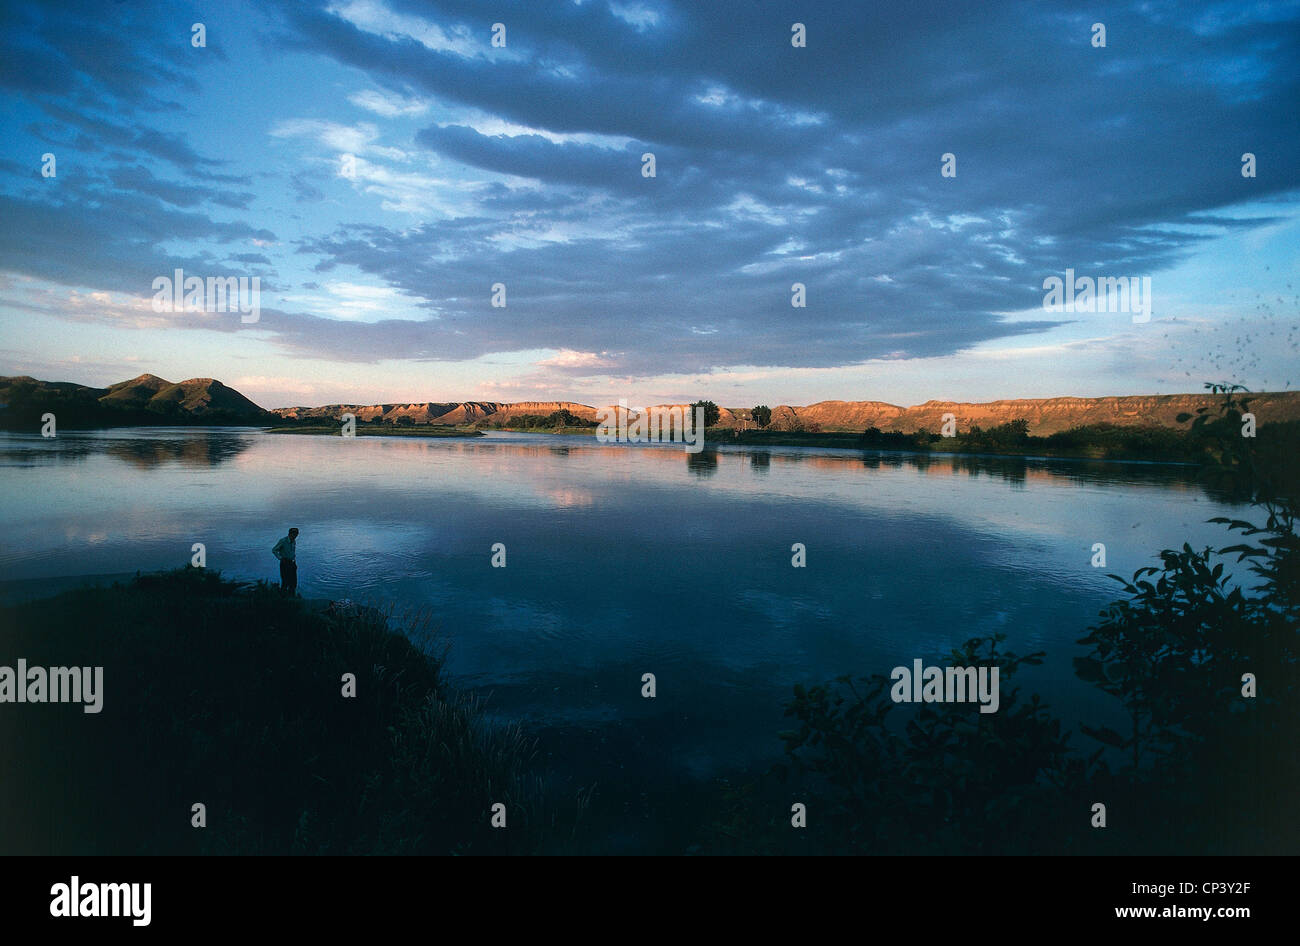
[762,415]
[566,418]
[711,412]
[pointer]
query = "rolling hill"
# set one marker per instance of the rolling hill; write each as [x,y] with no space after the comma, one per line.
[146,400]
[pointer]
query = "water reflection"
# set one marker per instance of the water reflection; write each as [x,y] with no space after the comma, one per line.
[1010,469]
[200,448]
[201,451]
[142,448]
[38,451]
[704,463]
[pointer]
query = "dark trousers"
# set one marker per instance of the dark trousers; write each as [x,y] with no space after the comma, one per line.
[288,576]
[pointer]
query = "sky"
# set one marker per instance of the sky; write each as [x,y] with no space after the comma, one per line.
[380,165]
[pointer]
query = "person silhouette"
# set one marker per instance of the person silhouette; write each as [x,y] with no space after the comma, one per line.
[287,552]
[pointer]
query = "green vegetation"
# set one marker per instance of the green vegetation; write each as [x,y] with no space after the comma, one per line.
[762,415]
[231,695]
[556,421]
[783,438]
[711,413]
[1094,441]
[1100,442]
[1089,442]
[873,438]
[386,430]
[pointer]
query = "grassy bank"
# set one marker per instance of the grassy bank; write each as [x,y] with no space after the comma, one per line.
[568,431]
[783,438]
[231,696]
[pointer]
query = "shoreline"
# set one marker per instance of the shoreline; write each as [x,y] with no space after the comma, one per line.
[364,430]
[1098,443]
[716,437]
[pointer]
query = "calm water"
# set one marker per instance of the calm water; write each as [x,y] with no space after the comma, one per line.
[623,560]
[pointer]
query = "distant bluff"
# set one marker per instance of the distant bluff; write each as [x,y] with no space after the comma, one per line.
[1045,415]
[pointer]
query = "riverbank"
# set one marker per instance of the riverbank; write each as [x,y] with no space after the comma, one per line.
[1096,442]
[294,728]
[374,430]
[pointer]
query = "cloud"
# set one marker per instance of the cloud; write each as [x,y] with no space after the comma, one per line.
[118,243]
[356,139]
[775,165]
[141,180]
[389,106]
[569,359]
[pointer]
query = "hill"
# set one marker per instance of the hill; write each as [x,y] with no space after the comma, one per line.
[142,401]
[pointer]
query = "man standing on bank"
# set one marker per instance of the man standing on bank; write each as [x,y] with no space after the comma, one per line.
[286,551]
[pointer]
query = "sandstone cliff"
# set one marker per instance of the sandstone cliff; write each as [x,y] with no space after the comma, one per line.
[1045,415]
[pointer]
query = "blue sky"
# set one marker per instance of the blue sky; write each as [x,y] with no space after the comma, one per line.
[521,165]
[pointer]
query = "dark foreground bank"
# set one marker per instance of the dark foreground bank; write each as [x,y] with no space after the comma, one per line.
[232,698]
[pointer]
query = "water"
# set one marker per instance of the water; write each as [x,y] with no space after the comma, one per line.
[623,560]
